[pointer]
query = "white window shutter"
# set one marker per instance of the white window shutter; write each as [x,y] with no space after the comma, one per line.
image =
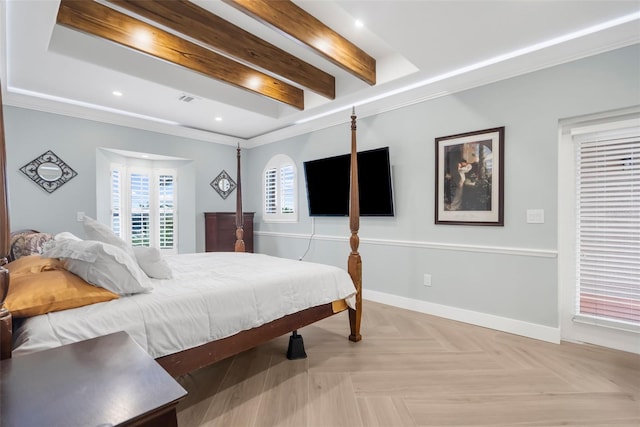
[288,190]
[116,201]
[144,206]
[270,191]
[140,196]
[280,186]
[166,211]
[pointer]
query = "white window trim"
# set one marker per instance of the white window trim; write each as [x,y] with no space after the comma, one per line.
[277,162]
[582,328]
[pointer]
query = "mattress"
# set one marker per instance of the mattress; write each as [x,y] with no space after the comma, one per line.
[211,296]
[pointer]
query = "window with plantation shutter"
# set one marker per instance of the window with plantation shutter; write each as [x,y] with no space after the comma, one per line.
[280,187]
[143,206]
[608,225]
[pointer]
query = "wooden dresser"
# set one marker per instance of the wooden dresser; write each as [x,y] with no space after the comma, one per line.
[220,231]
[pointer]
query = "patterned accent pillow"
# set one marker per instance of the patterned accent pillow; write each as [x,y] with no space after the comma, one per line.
[27,242]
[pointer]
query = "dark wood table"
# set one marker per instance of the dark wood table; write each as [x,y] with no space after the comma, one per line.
[105,381]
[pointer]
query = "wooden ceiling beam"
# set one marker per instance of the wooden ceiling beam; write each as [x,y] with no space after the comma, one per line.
[290,19]
[187,18]
[104,22]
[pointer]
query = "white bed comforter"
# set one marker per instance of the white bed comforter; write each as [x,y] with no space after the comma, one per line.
[212,296]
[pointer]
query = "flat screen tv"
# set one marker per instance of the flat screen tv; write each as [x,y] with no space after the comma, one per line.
[328,184]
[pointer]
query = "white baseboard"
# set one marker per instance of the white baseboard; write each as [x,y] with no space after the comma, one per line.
[504,324]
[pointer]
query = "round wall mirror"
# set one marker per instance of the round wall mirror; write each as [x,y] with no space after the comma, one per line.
[49,171]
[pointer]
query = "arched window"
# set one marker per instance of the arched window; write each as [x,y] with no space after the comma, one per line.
[280,190]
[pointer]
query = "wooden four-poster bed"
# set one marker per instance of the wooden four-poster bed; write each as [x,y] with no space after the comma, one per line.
[189,359]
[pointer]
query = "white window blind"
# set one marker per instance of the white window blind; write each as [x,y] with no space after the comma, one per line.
[608,225]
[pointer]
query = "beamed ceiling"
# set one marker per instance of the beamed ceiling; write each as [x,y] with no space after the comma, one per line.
[256,71]
[214,34]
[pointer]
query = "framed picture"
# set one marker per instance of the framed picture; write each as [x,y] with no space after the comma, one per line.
[470,178]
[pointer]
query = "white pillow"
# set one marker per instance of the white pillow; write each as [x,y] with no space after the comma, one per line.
[65,235]
[101,264]
[97,231]
[152,263]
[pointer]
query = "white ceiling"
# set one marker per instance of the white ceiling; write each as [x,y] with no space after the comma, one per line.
[423,49]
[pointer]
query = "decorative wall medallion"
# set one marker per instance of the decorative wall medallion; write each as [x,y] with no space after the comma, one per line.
[223,184]
[48,171]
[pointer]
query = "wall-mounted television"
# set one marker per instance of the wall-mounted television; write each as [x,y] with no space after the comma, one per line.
[328,184]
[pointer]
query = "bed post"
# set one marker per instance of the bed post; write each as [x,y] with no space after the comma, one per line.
[355,262]
[6,340]
[239,246]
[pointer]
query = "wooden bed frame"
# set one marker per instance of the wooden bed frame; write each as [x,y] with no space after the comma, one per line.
[189,360]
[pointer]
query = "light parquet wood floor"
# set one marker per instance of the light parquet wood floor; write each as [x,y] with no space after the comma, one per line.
[413,369]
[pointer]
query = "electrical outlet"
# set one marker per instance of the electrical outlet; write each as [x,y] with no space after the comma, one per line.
[79,216]
[427,280]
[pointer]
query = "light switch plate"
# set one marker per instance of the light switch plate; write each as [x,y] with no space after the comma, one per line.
[535,216]
[427,280]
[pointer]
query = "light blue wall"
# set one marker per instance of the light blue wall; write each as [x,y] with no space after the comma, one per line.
[30,133]
[508,271]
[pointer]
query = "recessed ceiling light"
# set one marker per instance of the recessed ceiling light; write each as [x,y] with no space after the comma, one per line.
[323,45]
[218,119]
[117,93]
[142,38]
[254,82]
[359,23]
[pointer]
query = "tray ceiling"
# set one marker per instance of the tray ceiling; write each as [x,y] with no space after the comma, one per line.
[312,63]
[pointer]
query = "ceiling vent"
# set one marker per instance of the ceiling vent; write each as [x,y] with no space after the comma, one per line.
[186,98]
